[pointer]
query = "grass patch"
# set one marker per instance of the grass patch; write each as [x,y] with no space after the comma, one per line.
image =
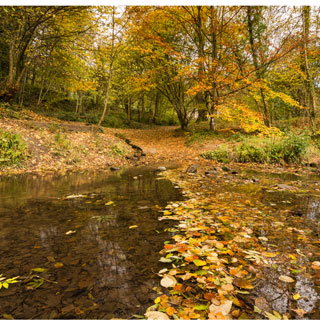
[12,149]
[291,148]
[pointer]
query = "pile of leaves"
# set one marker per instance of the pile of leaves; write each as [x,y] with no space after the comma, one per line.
[217,260]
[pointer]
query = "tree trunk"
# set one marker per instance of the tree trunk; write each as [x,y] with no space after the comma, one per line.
[155,108]
[106,100]
[259,74]
[309,85]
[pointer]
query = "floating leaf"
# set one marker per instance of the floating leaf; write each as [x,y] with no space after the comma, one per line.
[39,270]
[300,312]
[286,279]
[109,203]
[168,281]
[58,265]
[70,232]
[296,296]
[132,227]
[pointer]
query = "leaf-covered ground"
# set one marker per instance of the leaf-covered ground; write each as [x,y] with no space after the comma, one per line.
[239,250]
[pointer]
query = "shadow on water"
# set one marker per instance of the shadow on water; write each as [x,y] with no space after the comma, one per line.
[100,260]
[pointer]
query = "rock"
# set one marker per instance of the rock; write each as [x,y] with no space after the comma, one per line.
[129,158]
[192,168]
[255,180]
[143,154]
[234,172]
[226,169]
[161,168]
[114,168]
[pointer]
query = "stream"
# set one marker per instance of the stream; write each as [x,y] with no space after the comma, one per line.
[86,245]
[90,241]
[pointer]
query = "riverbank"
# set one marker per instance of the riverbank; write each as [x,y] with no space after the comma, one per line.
[59,146]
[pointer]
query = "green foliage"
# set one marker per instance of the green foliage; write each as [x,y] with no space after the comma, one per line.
[4,282]
[199,136]
[12,149]
[118,150]
[290,149]
[221,154]
[250,153]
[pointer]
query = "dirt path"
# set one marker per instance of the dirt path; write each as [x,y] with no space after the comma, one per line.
[161,144]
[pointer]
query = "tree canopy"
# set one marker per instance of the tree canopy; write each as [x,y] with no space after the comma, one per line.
[252,65]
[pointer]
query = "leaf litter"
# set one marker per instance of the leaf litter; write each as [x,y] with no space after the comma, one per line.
[225,248]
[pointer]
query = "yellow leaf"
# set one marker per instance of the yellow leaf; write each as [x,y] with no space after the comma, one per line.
[157,300]
[109,203]
[132,227]
[270,254]
[199,263]
[296,296]
[166,213]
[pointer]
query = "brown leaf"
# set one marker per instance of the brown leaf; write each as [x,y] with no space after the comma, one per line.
[243,283]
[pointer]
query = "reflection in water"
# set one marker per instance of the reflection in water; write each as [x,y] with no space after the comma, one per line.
[97,266]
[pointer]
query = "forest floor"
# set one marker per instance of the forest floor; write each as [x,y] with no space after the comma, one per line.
[60,146]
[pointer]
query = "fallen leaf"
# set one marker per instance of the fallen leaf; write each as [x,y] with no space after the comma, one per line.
[58,265]
[299,312]
[227,287]
[315,265]
[270,254]
[243,283]
[70,232]
[223,308]
[109,203]
[170,311]
[199,263]
[296,296]
[286,279]
[156,315]
[168,281]
[132,227]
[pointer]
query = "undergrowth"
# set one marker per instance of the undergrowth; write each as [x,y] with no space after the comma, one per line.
[291,148]
[12,149]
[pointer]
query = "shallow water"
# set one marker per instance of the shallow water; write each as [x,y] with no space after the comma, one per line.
[100,260]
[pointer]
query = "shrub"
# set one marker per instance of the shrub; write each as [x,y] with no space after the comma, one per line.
[290,149]
[12,149]
[249,153]
[221,154]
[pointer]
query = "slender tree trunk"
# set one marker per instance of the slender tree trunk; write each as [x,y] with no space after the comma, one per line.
[310,90]
[155,108]
[106,100]
[259,75]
